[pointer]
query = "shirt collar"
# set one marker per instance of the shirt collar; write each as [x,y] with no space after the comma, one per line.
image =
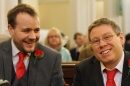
[14,49]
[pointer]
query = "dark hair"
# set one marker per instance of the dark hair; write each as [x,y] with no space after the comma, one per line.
[19,9]
[127,37]
[77,34]
[101,21]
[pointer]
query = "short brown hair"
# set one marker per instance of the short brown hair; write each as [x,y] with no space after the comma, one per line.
[11,16]
[102,21]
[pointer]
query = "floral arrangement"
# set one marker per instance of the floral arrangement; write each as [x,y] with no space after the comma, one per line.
[128,67]
[38,55]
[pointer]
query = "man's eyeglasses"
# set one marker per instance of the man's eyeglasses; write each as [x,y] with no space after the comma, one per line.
[106,38]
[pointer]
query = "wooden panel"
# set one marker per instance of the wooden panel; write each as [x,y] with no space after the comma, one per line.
[68,71]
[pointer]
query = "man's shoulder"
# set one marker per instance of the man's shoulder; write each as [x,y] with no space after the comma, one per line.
[87,62]
[5,44]
[127,52]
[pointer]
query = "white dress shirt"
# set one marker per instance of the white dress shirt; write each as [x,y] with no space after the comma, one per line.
[15,56]
[118,76]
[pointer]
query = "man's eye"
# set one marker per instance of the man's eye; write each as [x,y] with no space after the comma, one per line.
[37,30]
[107,37]
[26,30]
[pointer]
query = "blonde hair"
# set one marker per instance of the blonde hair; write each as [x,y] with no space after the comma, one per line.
[46,42]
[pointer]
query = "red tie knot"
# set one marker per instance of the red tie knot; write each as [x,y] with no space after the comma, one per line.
[111,74]
[21,55]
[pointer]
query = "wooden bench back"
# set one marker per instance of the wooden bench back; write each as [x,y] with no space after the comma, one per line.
[68,71]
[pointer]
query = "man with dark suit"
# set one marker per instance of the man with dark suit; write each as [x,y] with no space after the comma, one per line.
[79,40]
[38,65]
[107,42]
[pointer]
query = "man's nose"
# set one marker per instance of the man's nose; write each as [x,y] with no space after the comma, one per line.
[32,35]
[102,43]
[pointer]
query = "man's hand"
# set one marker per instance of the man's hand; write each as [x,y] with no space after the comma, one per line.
[4,82]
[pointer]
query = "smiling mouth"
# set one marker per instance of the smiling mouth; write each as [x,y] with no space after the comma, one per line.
[105,52]
[29,42]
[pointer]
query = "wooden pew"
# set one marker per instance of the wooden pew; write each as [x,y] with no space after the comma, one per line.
[68,71]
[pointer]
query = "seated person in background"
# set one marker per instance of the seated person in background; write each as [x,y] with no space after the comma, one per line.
[85,43]
[127,42]
[53,40]
[79,40]
[86,52]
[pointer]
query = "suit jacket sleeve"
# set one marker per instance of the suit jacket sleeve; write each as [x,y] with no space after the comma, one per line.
[57,76]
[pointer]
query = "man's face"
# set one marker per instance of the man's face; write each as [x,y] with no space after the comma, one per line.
[109,52]
[26,33]
[79,40]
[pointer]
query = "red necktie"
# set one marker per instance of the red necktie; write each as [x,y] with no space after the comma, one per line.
[110,77]
[20,68]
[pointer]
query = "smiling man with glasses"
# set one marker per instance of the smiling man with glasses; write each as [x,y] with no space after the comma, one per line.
[107,42]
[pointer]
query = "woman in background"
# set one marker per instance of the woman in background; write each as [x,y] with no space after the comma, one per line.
[54,40]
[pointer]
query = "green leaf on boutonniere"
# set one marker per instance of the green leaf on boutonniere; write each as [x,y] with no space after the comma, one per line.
[38,55]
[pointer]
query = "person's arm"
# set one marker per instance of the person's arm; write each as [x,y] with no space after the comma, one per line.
[57,77]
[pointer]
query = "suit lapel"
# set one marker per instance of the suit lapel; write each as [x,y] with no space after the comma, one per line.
[125,79]
[32,71]
[95,71]
[7,58]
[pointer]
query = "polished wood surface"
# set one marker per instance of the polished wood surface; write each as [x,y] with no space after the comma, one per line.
[68,71]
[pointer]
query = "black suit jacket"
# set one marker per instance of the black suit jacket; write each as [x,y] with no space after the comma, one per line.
[74,54]
[46,72]
[127,47]
[88,72]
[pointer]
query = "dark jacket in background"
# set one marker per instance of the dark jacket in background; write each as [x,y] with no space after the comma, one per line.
[74,54]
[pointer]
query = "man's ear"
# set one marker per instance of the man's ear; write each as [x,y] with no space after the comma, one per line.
[10,29]
[122,38]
